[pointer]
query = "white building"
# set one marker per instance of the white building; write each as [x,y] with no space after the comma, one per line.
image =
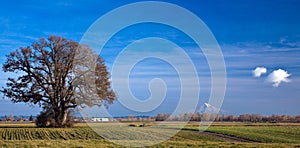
[100,119]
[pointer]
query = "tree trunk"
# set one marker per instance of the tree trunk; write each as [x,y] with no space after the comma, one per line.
[64,118]
[61,118]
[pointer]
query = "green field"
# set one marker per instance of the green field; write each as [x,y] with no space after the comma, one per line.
[219,134]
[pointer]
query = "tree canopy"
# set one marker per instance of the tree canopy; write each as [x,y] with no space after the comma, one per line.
[59,75]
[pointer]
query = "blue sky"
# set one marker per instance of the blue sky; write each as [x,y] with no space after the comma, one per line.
[251,33]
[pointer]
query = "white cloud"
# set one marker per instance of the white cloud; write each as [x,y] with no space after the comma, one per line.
[259,71]
[278,76]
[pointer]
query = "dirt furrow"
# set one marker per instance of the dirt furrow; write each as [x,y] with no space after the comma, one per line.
[227,137]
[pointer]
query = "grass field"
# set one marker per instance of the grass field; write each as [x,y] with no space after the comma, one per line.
[217,135]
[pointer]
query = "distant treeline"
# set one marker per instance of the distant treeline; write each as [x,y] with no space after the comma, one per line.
[17,118]
[227,118]
[183,117]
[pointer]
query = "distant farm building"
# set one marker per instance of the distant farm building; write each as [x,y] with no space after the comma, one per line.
[100,119]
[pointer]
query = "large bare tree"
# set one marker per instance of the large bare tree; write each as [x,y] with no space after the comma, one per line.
[59,75]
